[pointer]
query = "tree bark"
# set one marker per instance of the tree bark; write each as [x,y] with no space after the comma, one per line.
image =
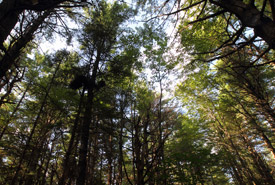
[109,155]
[8,18]
[139,157]
[120,146]
[85,130]
[250,16]
[259,162]
[244,166]
[12,54]
[35,124]
[14,111]
[11,9]
[66,162]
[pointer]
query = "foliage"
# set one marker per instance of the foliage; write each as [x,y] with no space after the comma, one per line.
[102,112]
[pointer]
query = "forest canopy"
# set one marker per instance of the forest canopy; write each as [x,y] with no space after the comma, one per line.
[137,92]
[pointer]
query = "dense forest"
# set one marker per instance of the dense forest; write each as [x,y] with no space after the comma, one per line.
[137,92]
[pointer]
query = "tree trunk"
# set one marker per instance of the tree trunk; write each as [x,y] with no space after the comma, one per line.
[266,140]
[44,178]
[11,9]
[139,153]
[67,162]
[94,155]
[244,167]
[237,175]
[120,146]
[8,18]
[14,111]
[85,130]
[259,162]
[12,54]
[109,154]
[28,142]
[250,16]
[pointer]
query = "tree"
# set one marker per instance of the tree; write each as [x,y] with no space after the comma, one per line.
[20,21]
[230,110]
[12,9]
[35,136]
[142,153]
[192,158]
[209,28]
[95,115]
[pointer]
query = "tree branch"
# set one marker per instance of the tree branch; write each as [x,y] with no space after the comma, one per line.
[208,17]
[177,11]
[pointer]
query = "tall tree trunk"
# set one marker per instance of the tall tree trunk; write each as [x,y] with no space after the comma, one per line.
[139,157]
[250,16]
[14,111]
[94,155]
[109,154]
[228,139]
[8,18]
[85,130]
[259,162]
[120,146]
[28,142]
[12,54]
[11,9]
[44,178]
[67,162]
[161,141]
[31,167]
[235,169]
[260,130]
[133,120]
[266,140]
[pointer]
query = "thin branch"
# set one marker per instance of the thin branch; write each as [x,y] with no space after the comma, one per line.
[202,10]
[272,4]
[263,8]
[177,11]
[265,63]
[163,5]
[125,170]
[261,55]
[225,43]
[207,17]
[252,2]
[233,51]
[228,23]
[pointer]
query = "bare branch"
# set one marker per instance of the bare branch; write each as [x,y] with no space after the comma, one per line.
[177,11]
[202,10]
[233,51]
[225,43]
[208,17]
[261,55]
[272,5]
[263,8]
